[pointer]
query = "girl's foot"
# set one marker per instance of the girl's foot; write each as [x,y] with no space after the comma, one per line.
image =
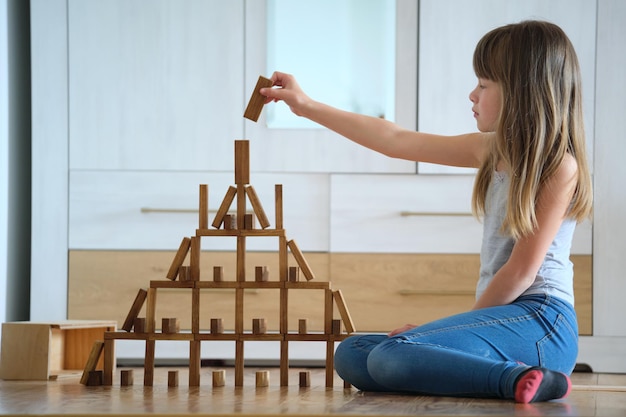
[540,384]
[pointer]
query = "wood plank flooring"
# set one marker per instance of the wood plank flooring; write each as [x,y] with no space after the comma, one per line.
[592,395]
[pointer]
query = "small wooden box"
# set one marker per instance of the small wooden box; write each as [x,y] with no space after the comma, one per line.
[42,351]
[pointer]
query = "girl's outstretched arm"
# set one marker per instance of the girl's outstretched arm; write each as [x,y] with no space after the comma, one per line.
[378,134]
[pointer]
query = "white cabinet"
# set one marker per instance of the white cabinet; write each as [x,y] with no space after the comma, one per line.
[449,32]
[155,85]
[121,210]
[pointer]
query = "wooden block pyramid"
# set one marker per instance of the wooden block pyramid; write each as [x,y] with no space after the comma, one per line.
[188,277]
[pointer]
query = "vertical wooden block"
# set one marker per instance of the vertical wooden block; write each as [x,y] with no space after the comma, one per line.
[278,204]
[194,363]
[336,327]
[179,258]
[248,222]
[259,326]
[139,325]
[217,326]
[134,310]
[195,310]
[151,310]
[328,311]
[284,363]
[219,378]
[330,360]
[95,378]
[92,361]
[126,377]
[203,212]
[239,363]
[304,265]
[109,362]
[224,207]
[257,207]
[257,100]
[230,222]
[347,385]
[242,162]
[148,364]
[343,311]
[305,379]
[261,274]
[218,273]
[302,326]
[294,274]
[194,259]
[184,274]
[262,379]
[172,378]
[170,325]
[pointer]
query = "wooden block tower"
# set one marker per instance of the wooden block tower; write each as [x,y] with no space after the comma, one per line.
[189,277]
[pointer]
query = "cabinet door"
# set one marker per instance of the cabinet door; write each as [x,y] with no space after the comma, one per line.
[314,149]
[155,85]
[448,33]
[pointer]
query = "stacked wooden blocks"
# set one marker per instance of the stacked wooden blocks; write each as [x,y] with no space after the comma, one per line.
[184,274]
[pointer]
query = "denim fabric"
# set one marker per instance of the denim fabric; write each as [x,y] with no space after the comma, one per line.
[479,353]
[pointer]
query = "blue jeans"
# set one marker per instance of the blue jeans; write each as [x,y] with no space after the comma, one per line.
[479,353]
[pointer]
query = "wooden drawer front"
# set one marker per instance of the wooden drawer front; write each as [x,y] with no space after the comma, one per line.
[103,285]
[154,211]
[411,214]
[386,291]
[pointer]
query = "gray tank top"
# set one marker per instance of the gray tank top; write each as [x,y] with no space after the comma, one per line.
[556,274]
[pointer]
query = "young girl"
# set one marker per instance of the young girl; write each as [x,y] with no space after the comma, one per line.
[533,185]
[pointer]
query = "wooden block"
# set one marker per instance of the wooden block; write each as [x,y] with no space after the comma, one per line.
[179,258]
[248,222]
[203,211]
[218,273]
[194,363]
[343,311]
[239,363]
[194,258]
[297,253]
[134,310]
[259,326]
[336,327]
[92,361]
[278,204]
[262,379]
[151,310]
[217,326]
[305,379]
[328,311]
[172,378]
[302,326]
[330,360]
[219,378]
[294,274]
[284,363]
[347,385]
[126,377]
[230,222]
[242,163]
[195,310]
[257,100]
[261,274]
[184,273]
[170,325]
[224,207]
[109,362]
[140,325]
[257,207]
[148,364]
[95,378]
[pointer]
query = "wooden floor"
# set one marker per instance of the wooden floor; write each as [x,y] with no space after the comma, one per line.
[592,395]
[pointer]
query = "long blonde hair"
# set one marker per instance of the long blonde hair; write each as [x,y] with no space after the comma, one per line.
[541,119]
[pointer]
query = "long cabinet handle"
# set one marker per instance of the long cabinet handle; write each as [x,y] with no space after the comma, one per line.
[409,292]
[434,214]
